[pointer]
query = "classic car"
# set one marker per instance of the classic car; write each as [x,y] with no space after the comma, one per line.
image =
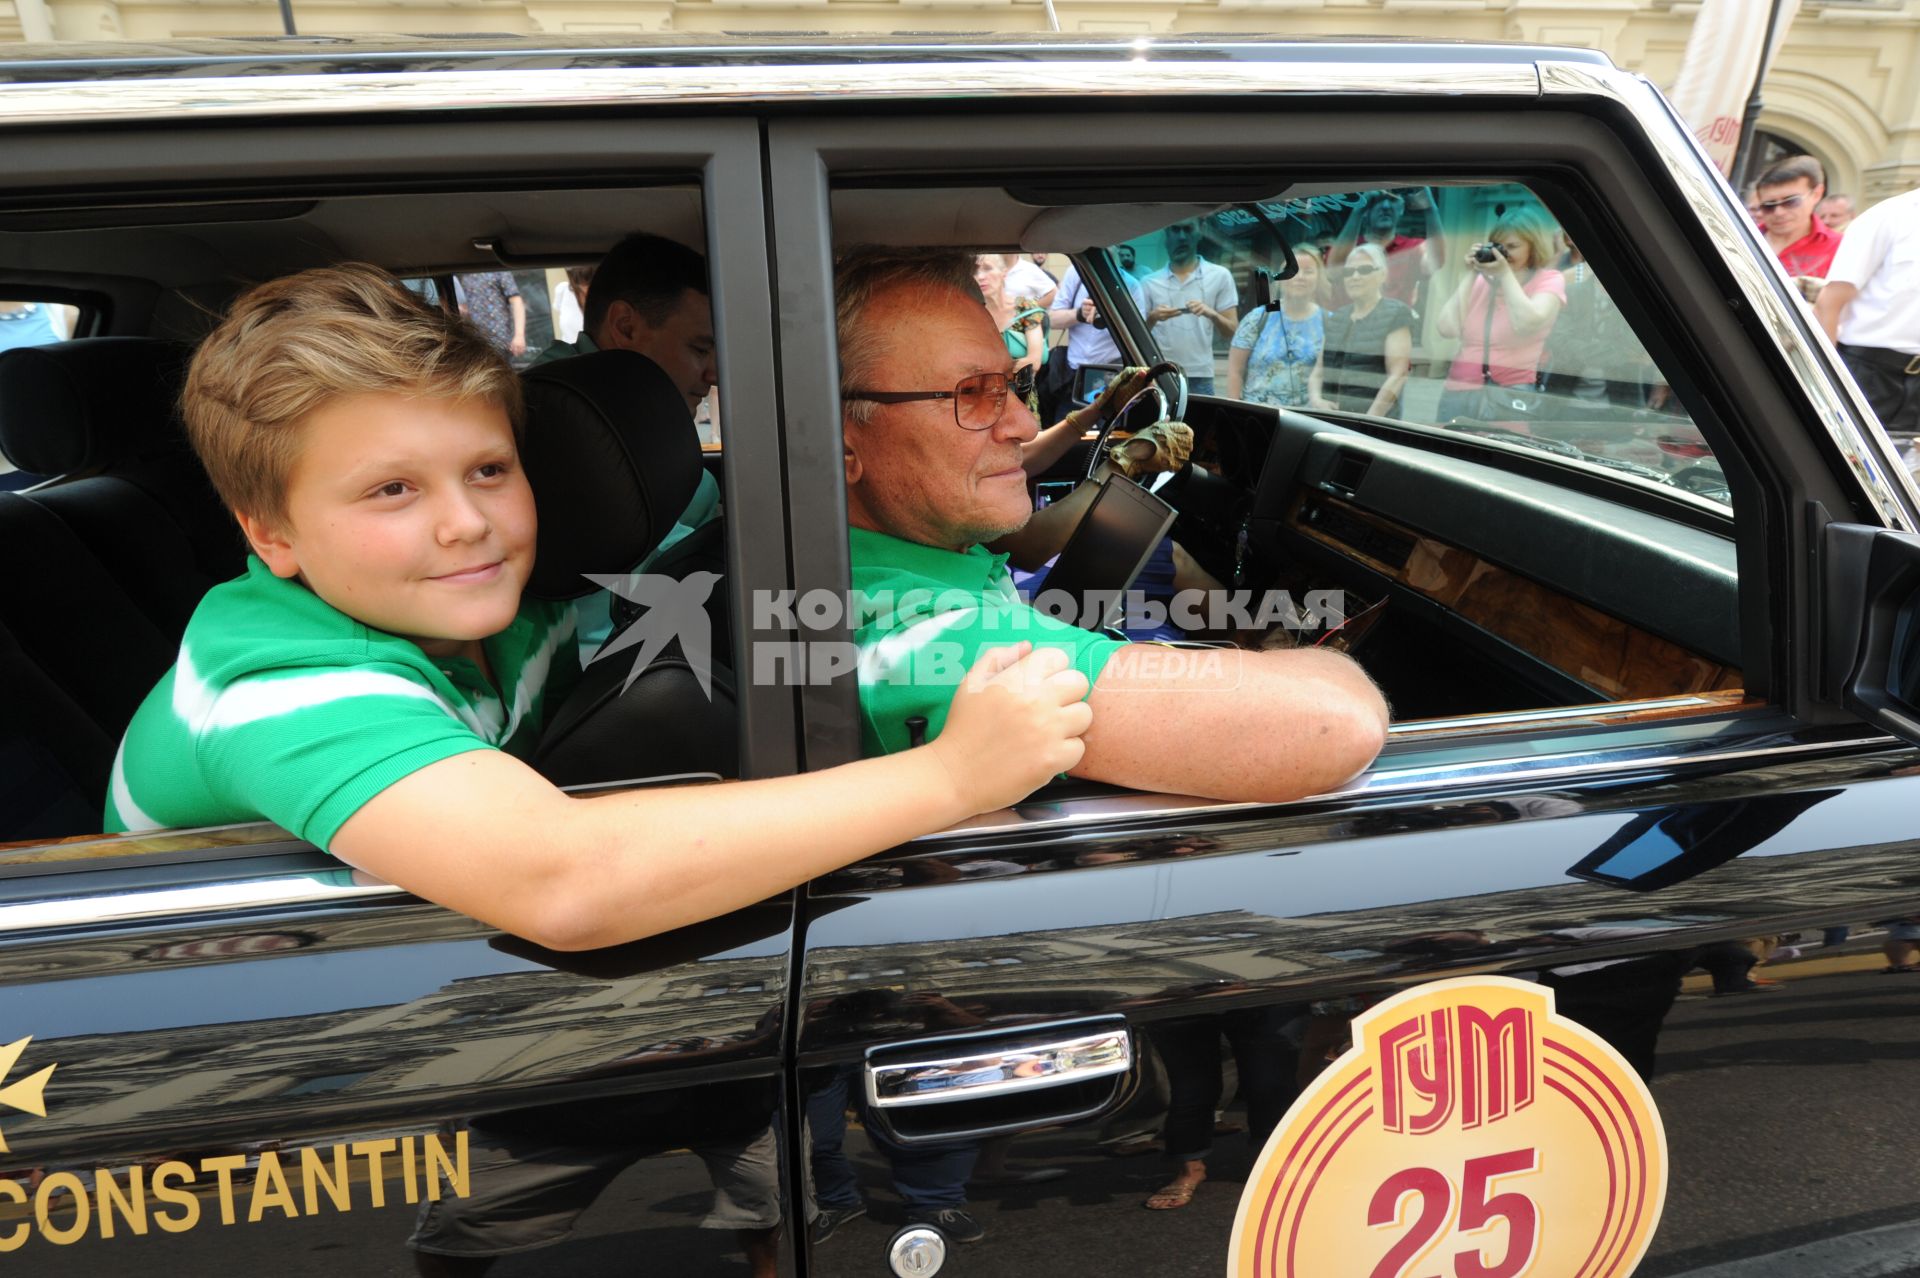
[1612,935]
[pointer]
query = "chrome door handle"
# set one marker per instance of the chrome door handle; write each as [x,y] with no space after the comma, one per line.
[1001,1065]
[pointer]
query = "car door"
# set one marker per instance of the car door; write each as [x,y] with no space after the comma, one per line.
[1047,1017]
[223,1049]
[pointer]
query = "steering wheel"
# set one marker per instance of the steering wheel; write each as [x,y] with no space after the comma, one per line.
[1107,425]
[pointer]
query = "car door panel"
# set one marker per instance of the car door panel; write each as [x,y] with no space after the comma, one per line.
[304,1083]
[1272,931]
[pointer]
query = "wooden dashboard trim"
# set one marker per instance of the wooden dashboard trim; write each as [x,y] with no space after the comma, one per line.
[1604,652]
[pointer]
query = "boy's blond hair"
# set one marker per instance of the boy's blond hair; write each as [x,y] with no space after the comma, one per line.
[289,347]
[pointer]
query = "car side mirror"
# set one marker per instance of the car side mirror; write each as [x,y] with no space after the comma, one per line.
[1871,629]
[1089,380]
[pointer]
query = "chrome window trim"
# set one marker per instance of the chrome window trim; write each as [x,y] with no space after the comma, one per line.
[1814,362]
[312,889]
[1547,715]
[233,896]
[281,96]
[1385,780]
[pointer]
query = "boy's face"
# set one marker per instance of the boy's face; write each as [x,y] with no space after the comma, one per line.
[410,515]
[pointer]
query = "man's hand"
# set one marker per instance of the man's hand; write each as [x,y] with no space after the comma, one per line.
[1200,308]
[1014,724]
[1089,311]
[1160,313]
[518,346]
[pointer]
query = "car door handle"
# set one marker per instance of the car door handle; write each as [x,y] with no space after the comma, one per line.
[1000,1065]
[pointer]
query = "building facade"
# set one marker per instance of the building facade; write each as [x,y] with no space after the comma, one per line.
[1846,86]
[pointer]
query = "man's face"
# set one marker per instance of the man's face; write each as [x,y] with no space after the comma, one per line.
[1383,215]
[1183,239]
[410,515]
[682,343]
[1787,207]
[1126,255]
[911,471]
[1836,211]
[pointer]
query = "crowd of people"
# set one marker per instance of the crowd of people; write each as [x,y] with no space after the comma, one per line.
[1523,329]
[1396,311]
[1860,272]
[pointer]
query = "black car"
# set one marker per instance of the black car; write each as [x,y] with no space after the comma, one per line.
[1608,965]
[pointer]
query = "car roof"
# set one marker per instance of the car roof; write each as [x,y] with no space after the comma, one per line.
[309,55]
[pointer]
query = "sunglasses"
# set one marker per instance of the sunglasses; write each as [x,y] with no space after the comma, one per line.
[979,401]
[1784,202]
[1364,269]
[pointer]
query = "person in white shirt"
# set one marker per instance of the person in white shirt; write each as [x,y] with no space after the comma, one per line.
[1189,303]
[1870,307]
[1028,277]
[569,301]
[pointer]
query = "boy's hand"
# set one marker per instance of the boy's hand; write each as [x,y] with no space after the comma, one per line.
[1013,725]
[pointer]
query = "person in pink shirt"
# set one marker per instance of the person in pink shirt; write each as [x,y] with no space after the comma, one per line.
[1501,312]
[1789,192]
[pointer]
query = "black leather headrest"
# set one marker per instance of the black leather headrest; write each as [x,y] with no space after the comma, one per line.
[90,404]
[613,458]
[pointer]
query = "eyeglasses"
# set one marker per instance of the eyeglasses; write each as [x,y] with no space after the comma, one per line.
[1784,202]
[1362,270]
[979,401]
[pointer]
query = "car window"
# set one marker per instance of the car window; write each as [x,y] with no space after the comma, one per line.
[1390,317]
[27,322]
[1481,483]
[146,594]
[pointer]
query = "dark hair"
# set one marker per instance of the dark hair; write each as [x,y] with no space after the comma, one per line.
[648,273]
[1792,169]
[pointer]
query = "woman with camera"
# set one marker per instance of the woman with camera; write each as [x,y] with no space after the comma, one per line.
[1275,357]
[1502,313]
[1369,349]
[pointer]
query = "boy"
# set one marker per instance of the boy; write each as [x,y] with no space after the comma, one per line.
[371,680]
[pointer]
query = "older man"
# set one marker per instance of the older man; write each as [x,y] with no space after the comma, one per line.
[933,443]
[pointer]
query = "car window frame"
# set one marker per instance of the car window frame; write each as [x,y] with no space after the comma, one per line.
[123,878]
[1756,460]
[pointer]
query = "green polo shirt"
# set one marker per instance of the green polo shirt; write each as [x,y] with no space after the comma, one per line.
[283,708]
[922,615]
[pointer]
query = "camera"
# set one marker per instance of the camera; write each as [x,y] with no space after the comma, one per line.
[1487,252]
[1099,320]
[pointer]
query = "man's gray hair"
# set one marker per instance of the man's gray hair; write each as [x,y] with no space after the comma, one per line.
[865,273]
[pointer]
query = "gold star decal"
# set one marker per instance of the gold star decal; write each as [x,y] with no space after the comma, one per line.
[29,1094]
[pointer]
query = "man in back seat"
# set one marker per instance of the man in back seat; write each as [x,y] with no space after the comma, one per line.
[375,679]
[649,295]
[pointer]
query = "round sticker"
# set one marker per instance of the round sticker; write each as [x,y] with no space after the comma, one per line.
[1469,1132]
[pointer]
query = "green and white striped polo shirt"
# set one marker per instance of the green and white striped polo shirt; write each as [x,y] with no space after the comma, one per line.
[283,708]
[922,615]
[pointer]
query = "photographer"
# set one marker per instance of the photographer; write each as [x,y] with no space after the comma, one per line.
[1410,259]
[1502,312]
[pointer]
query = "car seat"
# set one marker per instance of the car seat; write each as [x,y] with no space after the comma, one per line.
[99,568]
[612,455]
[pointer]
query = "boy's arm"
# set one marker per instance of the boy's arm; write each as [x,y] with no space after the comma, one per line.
[484,834]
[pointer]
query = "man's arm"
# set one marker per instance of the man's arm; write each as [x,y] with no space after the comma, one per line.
[1227,724]
[484,834]
[518,306]
[1835,297]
